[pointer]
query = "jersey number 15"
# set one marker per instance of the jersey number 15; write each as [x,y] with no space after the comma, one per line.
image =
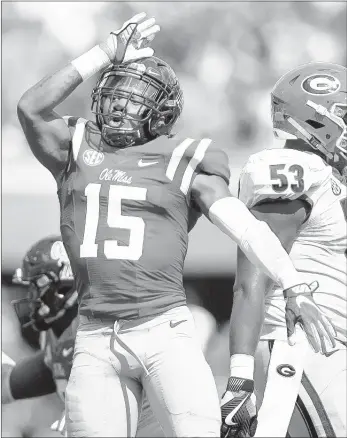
[115,219]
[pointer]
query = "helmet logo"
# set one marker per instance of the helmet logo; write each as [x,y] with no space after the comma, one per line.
[93,158]
[58,252]
[153,72]
[321,84]
[139,67]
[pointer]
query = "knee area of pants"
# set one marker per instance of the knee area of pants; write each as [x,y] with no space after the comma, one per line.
[198,427]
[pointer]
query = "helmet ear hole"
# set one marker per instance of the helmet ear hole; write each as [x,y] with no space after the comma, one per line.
[162,125]
[314,124]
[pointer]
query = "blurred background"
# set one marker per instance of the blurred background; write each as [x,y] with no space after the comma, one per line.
[227,56]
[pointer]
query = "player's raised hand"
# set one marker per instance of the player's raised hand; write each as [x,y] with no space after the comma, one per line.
[302,309]
[238,406]
[131,40]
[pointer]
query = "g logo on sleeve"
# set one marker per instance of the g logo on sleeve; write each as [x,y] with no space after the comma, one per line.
[286,370]
[321,84]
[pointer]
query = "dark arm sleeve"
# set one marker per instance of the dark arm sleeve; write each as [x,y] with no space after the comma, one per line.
[31,378]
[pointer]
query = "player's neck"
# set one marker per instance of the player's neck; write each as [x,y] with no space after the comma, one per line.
[301,145]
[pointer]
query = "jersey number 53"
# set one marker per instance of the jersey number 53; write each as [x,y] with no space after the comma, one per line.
[281,173]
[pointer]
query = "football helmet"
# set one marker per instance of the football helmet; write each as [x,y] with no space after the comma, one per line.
[137,101]
[47,274]
[310,103]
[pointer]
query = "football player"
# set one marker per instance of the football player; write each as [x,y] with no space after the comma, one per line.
[49,309]
[47,371]
[300,191]
[128,197]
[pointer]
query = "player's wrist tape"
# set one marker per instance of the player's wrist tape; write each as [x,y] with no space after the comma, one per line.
[242,366]
[91,62]
[289,293]
[256,240]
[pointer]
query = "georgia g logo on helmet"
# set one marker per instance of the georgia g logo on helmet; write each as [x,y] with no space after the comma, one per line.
[321,84]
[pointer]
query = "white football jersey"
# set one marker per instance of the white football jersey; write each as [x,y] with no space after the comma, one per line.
[319,251]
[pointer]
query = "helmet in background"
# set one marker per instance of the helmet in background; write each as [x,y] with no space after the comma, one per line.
[310,103]
[47,275]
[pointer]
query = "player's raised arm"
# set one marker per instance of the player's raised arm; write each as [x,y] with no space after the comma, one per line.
[46,132]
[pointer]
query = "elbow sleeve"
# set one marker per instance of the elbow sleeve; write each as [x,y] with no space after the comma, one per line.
[256,240]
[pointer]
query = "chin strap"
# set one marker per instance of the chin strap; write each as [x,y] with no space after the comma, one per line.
[309,138]
[121,140]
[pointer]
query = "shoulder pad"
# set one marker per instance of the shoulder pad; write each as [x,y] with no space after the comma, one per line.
[190,157]
[76,126]
[280,174]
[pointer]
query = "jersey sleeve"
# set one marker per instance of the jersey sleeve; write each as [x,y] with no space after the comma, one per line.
[70,121]
[214,162]
[191,157]
[278,174]
[76,128]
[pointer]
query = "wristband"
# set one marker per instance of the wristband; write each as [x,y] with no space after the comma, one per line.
[300,289]
[242,366]
[91,62]
[289,293]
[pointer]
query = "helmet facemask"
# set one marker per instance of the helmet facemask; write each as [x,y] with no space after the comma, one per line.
[47,295]
[132,106]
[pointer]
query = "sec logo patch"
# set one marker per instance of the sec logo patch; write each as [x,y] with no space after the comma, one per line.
[286,370]
[321,84]
[93,158]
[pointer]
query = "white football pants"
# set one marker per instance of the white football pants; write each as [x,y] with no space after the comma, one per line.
[114,362]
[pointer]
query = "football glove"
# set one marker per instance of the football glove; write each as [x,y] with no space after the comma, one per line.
[238,406]
[302,309]
[129,43]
